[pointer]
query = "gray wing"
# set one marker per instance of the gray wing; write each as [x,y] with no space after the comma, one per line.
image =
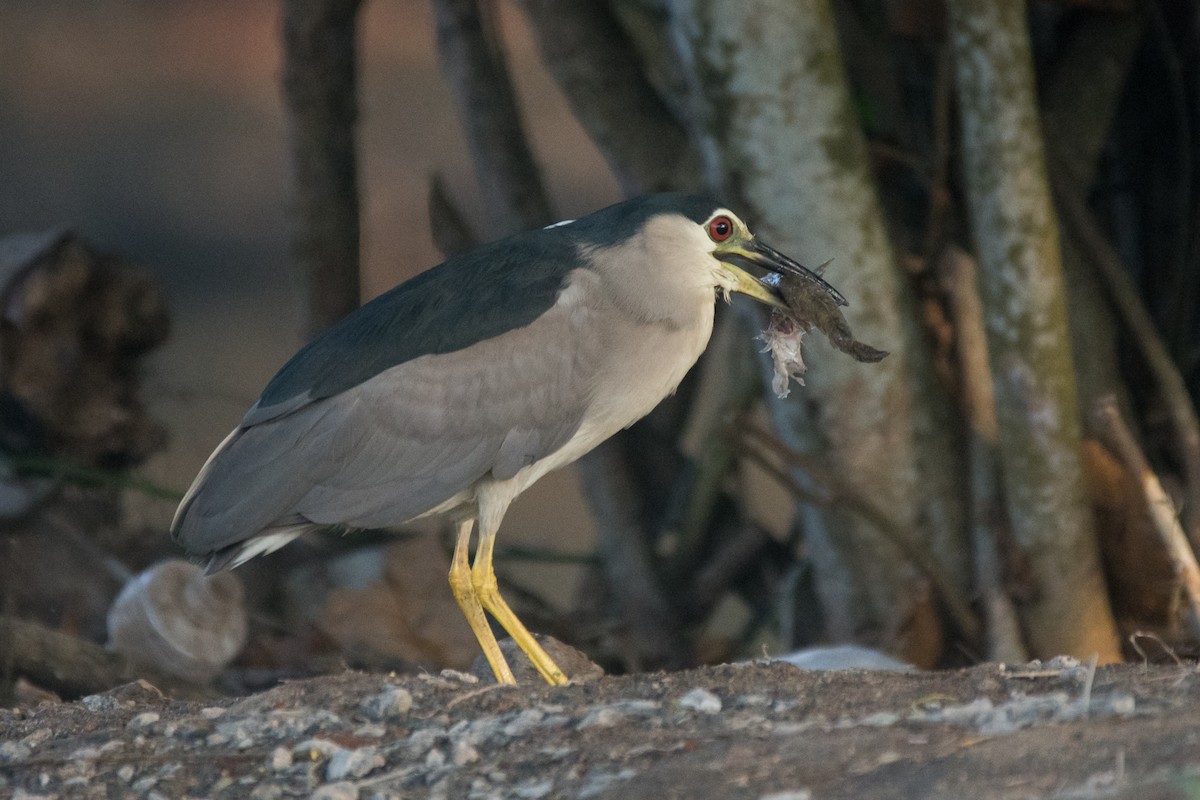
[409,440]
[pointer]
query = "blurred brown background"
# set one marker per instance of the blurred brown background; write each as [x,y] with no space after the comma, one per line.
[156,130]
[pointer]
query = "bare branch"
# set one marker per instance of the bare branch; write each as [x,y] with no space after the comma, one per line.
[1117,438]
[1137,319]
[589,55]
[956,272]
[472,60]
[449,228]
[319,86]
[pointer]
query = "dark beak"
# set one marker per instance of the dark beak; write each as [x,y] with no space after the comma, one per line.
[768,258]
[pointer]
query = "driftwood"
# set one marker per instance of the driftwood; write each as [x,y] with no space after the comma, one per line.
[70,666]
[76,323]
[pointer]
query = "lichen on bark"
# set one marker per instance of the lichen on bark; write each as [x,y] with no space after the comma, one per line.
[1021,284]
[777,126]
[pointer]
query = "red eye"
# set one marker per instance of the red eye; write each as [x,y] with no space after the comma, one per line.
[720,228]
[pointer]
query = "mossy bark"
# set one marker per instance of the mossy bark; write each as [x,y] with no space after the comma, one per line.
[1021,284]
[780,139]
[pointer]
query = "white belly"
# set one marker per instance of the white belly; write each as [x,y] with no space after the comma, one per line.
[637,367]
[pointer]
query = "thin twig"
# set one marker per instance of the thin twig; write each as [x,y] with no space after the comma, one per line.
[592,60]
[472,60]
[956,272]
[1117,438]
[1137,318]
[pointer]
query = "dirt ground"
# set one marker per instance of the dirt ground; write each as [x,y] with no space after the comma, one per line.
[763,730]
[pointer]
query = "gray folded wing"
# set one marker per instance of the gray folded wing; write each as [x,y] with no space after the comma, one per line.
[408,440]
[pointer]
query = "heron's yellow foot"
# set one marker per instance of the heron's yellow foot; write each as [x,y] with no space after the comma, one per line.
[487,591]
[464,592]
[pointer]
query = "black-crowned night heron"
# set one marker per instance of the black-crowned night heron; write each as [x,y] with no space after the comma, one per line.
[453,392]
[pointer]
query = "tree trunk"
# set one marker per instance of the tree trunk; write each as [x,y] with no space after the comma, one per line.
[487,105]
[319,86]
[778,132]
[1028,341]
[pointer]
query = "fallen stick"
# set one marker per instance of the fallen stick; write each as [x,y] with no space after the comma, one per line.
[1116,437]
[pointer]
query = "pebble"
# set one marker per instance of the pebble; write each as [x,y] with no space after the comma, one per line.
[335,791]
[524,722]
[100,702]
[1122,704]
[533,790]
[392,701]
[464,753]
[266,791]
[314,749]
[701,700]
[795,794]
[14,751]
[212,712]
[604,717]
[37,737]
[281,759]
[142,721]
[126,773]
[353,763]
[435,758]
[370,731]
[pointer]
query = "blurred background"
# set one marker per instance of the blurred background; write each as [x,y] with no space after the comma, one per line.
[157,135]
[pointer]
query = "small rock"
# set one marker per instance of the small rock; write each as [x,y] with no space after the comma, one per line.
[212,712]
[1122,704]
[144,784]
[100,702]
[335,791]
[603,717]
[795,794]
[392,701]
[126,773]
[281,759]
[168,770]
[701,700]
[266,791]
[464,753]
[37,737]
[14,751]
[880,719]
[315,749]
[353,763]
[533,789]
[142,721]
[435,759]
[598,781]
[524,722]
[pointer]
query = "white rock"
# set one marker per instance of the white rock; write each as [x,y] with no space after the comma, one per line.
[701,700]
[353,763]
[335,791]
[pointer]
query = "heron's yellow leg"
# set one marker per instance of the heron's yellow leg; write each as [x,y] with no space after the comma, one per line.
[468,600]
[488,592]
